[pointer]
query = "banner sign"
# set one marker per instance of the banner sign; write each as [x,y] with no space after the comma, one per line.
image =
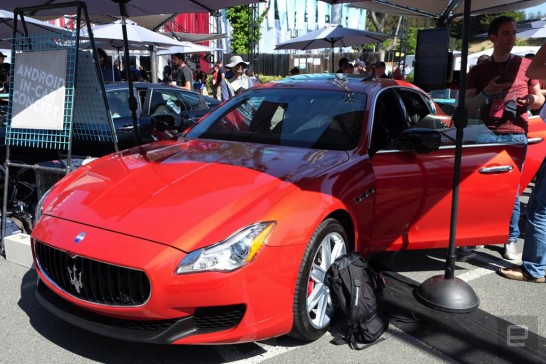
[39,80]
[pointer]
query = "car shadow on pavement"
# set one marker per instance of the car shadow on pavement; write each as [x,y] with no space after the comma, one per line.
[430,260]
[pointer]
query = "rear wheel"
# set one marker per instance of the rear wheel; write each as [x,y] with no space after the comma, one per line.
[313,308]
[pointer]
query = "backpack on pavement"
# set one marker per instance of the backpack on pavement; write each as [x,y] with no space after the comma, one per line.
[354,289]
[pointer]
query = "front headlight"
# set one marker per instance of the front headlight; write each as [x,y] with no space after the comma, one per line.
[38,211]
[230,254]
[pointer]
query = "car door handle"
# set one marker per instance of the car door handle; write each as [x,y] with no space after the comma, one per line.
[494,170]
[535,140]
[127,128]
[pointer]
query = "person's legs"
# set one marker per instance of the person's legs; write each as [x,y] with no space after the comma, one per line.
[534,249]
[510,251]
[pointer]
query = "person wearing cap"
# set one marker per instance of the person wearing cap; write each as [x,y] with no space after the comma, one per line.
[360,67]
[238,81]
[182,75]
[4,74]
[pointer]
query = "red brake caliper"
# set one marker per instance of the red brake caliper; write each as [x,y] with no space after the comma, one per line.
[310,287]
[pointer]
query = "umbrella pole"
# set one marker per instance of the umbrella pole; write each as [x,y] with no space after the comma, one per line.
[449,293]
[153,64]
[333,63]
[132,98]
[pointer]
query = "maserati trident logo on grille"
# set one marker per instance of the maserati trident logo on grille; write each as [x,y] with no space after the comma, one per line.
[79,237]
[75,278]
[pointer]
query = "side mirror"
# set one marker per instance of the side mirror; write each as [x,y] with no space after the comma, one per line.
[421,140]
[163,122]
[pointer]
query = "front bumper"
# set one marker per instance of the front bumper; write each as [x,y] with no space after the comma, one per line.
[207,320]
[249,304]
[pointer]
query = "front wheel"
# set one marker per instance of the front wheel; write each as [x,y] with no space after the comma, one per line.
[313,308]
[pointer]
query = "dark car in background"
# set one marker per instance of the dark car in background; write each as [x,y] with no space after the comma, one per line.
[152,100]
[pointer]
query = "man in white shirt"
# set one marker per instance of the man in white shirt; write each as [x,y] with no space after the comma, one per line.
[238,81]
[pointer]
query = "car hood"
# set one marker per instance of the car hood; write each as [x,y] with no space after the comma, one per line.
[175,192]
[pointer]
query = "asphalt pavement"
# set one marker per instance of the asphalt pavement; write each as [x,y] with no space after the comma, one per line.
[508,327]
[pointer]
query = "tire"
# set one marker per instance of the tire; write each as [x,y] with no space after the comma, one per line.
[313,308]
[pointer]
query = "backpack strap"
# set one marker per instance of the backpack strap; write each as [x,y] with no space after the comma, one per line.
[351,341]
[354,345]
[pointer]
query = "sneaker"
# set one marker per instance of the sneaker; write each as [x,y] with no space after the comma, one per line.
[519,274]
[510,251]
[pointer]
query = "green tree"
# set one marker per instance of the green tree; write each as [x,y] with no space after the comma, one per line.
[411,40]
[519,16]
[239,18]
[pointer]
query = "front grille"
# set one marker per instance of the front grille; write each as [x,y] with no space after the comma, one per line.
[218,318]
[91,280]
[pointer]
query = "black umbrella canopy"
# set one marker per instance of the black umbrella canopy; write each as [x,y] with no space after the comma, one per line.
[133,7]
[440,10]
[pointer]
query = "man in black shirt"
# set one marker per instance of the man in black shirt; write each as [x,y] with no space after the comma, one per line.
[182,75]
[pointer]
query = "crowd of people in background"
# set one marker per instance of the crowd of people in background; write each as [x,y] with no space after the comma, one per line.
[376,69]
[177,72]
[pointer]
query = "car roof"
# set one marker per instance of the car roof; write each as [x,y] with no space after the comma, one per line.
[141,86]
[337,81]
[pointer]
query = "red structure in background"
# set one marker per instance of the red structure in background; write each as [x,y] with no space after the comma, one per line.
[190,23]
[197,23]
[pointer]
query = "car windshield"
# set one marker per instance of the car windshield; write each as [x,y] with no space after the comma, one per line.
[303,118]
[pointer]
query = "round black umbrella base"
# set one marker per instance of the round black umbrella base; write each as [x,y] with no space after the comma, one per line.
[449,295]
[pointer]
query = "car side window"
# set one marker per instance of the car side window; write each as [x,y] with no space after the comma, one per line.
[165,102]
[388,122]
[118,101]
[419,112]
[415,106]
[142,96]
[194,101]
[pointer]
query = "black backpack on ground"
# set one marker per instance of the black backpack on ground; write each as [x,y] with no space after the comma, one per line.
[354,289]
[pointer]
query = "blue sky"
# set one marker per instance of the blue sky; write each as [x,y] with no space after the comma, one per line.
[541,8]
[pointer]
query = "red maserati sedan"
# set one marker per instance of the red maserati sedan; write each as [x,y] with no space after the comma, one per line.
[225,234]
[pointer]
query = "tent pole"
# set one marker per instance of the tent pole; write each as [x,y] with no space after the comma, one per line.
[333,63]
[447,292]
[132,99]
